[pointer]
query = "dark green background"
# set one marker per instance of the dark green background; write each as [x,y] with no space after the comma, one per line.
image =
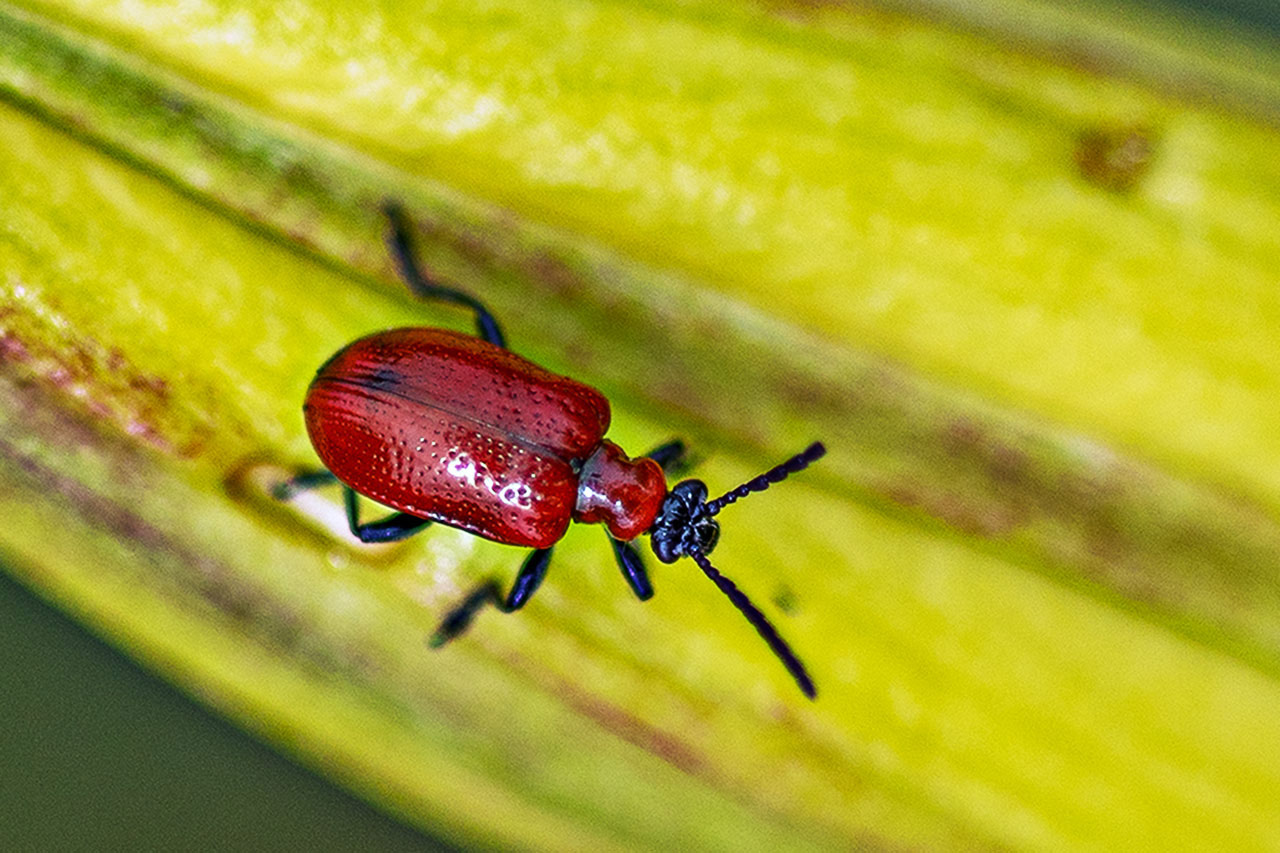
[96,754]
[1261,16]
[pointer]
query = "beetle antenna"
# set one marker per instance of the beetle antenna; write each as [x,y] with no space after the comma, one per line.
[776,474]
[760,622]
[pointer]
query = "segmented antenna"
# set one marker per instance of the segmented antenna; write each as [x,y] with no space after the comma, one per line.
[776,474]
[758,620]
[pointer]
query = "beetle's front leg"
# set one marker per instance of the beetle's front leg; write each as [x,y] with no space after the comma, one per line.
[632,568]
[672,456]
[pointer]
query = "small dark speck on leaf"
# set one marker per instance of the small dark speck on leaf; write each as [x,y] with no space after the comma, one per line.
[1114,157]
[785,599]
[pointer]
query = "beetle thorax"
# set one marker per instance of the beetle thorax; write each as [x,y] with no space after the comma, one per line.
[622,493]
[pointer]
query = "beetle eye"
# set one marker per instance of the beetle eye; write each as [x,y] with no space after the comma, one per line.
[666,547]
[708,534]
[690,493]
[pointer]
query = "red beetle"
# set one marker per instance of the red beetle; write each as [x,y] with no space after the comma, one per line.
[449,428]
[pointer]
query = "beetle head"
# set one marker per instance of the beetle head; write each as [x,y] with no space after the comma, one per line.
[683,524]
[686,524]
[686,527]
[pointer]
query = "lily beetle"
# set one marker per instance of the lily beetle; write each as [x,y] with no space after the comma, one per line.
[458,430]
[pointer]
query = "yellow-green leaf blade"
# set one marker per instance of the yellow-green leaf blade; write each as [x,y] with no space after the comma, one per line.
[966,700]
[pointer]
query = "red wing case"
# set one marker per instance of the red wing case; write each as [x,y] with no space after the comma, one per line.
[449,427]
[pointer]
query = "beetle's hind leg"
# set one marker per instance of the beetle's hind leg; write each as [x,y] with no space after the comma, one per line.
[288,489]
[401,245]
[393,528]
[526,583]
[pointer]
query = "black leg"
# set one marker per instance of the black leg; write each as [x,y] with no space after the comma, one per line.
[393,528]
[460,617]
[527,582]
[302,483]
[529,579]
[401,245]
[671,456]
[632,568]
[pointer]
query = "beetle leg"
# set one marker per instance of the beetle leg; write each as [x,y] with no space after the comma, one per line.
[460,617]
[530,577]
[633,570]
[302,483]
[672,456]
[401,245]
[393,528]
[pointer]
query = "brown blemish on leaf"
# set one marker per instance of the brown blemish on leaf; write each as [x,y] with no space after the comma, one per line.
[784,598]
[12,349]
[1085,509]
[973,514]
[610,717]
[1114,158]
[187,571]
[100,381]
[557,277]
[1002,462]
[633,730]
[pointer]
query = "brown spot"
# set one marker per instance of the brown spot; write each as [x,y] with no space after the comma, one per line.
[102,382]
[1114,158]
[179,570]
[559,278]
[801,396]
[1104,541]
[477,247]
[973,514]
[1007,464]
[1002,462]
[633,730]
[961,436]
[784,598]
[12,349]
[618,721]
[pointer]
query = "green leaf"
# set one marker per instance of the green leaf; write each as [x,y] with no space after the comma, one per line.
[1030,308]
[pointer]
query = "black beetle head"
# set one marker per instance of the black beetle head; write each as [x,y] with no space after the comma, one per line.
[683,524]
